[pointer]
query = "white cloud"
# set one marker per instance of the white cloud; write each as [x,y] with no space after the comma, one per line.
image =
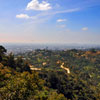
[35,5]
[22,16]
[61,26]
[67,11]
[45,14]
[85,28]
[61,20]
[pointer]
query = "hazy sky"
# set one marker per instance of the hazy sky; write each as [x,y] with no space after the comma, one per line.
[50,21]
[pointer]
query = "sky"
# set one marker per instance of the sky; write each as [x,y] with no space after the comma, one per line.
[50,21]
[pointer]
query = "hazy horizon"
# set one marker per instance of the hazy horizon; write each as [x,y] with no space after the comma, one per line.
[50,21]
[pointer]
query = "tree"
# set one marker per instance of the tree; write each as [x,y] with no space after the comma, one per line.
[11,61]
[22,65]
[2,52]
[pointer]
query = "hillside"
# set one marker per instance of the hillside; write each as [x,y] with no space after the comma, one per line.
[50,75]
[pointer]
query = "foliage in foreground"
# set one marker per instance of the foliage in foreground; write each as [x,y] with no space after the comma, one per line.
[24,86]
[18,82]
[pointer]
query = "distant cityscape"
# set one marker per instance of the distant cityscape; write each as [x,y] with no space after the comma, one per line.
[22,48]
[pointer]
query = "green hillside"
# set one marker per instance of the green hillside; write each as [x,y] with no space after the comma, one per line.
[50,75]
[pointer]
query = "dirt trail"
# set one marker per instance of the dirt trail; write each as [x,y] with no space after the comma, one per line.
[32,68]
[62,66]
[67,69]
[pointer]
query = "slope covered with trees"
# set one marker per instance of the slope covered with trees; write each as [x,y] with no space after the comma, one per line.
[19,82]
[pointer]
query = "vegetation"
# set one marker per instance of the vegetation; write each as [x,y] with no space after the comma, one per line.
[19,82]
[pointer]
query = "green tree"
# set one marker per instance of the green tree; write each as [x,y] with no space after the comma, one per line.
[2,52]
